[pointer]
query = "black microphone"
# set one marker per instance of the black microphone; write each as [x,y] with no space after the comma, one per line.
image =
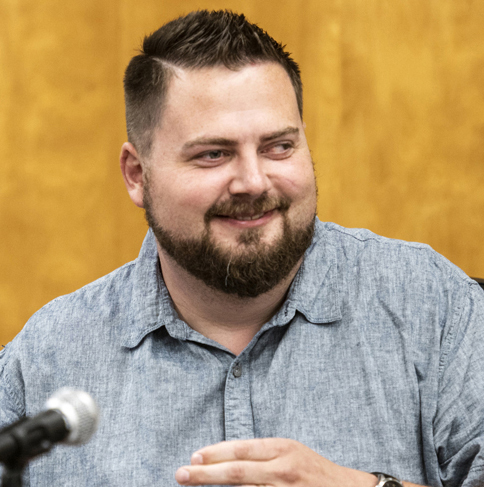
[71,417]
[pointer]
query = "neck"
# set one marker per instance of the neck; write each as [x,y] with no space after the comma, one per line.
[228,319]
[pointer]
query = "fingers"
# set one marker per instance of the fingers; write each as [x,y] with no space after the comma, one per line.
[266,462]
[260,449]
[238,473]
[241,463]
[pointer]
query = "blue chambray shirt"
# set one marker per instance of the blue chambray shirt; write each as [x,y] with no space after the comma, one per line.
[375,361]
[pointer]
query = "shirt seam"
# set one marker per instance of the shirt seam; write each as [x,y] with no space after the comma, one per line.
[458,313]
[12,396]
[381,239]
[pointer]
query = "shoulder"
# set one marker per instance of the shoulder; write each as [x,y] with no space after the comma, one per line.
[92,319]
[65,340]
[405,279]
[369,253]
[77,317]
[361,239]
[102,298]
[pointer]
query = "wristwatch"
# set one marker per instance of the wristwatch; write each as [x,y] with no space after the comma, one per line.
[387,480]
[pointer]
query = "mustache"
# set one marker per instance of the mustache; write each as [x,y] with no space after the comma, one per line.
[242,206]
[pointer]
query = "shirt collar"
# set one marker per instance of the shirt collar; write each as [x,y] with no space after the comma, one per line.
[151,305]
[314,291]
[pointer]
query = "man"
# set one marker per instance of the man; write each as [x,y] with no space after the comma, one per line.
[323,354]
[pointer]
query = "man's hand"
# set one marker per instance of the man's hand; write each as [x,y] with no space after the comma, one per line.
[274,462]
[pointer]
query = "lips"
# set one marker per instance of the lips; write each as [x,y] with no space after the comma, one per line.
[245,218]
[246,211]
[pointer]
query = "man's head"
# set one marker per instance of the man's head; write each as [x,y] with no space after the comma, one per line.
[226,178]
[201,39]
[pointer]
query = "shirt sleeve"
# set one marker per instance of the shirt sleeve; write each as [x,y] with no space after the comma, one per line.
[459,420]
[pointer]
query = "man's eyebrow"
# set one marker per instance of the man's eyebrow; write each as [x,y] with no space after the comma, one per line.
[209,141]
[232,143]
[280,133]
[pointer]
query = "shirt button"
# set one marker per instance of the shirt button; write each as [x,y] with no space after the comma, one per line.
[237,370]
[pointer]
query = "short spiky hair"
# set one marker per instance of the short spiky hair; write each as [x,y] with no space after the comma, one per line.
[197,40]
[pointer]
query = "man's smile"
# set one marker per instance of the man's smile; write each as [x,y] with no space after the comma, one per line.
[247,220]
[246,216]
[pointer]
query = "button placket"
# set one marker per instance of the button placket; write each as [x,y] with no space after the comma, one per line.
[239,422]
[237,370]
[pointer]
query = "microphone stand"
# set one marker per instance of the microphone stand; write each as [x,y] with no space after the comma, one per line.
[26,440]
[12,474]
[71,416]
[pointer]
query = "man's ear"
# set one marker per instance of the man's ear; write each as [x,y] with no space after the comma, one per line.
[132,172]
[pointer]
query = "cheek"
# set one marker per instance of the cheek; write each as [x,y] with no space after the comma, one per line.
[182,199]
[298,183]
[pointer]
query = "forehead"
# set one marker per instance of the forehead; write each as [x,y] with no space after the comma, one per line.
[217,101]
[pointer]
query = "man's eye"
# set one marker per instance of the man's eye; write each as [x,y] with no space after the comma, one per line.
[212,158]
[213,154]
[281,147]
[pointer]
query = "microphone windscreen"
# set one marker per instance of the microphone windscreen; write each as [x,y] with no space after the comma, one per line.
[80,411]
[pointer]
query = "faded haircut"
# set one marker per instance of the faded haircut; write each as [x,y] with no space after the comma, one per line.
[198,40]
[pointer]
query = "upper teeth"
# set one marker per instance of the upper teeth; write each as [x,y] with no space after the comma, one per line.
[248,217]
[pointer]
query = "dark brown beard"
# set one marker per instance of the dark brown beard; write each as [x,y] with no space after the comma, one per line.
[247,274]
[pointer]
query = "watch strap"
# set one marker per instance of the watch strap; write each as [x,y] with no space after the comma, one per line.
[385,480]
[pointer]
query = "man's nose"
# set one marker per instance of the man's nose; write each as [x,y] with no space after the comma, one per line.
[250,176]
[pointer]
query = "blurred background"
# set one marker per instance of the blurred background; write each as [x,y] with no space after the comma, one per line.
[394,107]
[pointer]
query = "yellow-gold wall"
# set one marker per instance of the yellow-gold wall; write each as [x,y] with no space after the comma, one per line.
[394,107]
